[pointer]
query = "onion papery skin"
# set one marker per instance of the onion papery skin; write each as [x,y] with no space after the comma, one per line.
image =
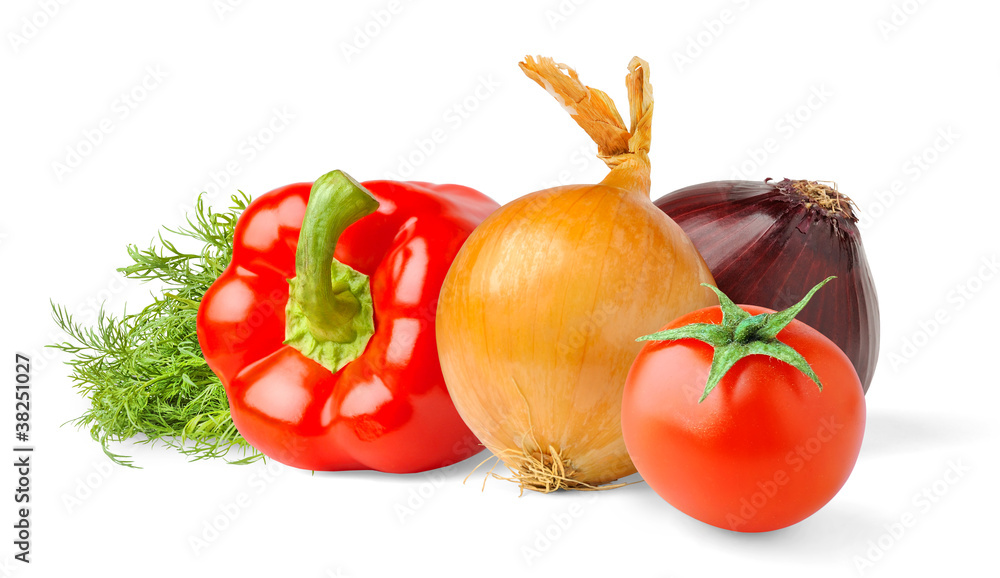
[767,243]
[539,317]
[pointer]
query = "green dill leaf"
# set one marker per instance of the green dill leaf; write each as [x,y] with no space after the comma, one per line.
[144,372]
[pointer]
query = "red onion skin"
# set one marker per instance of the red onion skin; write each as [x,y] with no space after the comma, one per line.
[767,245]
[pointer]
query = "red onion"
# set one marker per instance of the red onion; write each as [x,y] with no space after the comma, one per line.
[767,243]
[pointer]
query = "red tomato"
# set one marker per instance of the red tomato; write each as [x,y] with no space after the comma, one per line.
[765,449]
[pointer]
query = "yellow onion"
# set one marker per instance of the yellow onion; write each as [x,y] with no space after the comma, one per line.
[540,311]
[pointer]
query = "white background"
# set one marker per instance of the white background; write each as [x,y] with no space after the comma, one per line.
[889,77]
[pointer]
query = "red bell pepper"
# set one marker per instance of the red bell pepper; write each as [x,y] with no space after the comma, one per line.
[348,377]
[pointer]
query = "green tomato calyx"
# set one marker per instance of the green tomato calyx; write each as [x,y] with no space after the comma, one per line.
[741,334]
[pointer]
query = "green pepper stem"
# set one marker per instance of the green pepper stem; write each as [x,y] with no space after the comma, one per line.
[330,314]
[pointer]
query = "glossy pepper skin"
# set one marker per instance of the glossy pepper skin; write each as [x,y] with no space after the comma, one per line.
[386,410]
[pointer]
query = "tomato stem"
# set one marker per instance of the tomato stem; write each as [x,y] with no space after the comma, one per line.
[741,334]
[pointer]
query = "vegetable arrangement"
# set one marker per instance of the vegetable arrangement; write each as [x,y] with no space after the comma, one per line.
[401,326]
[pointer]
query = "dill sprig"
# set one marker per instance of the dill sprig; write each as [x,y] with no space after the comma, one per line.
[144,372]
